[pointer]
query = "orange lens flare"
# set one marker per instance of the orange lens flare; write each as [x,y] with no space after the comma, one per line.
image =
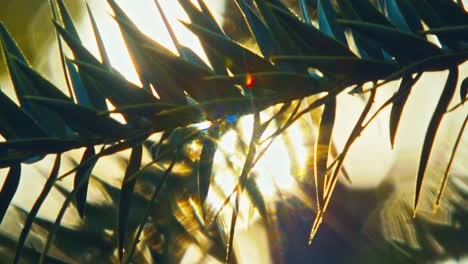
[249,80]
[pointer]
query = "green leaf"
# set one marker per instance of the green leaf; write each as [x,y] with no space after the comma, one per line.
[261,33]
[441,108]
[84,119]
[42,85]
[23,85]
[402,45]
[67,20]
[9,188]
[368,13]
[312,41]
[396,17]
[82,54]
[401,96]
[327,21]
[126,194]
[411,15]
[236,58]
[82,97]
[150,71]
[285,83]
[15,122]
[35,209]
[40,145]
[361,70]
[322,148]
[205,167]
[100,43]
[287,44]
[449,12]
[82,174]
[255,195]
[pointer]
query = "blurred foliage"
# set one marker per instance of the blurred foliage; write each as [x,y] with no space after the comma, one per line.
[157,213]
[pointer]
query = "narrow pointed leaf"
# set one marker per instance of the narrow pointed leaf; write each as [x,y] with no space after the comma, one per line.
[401,97]
[9,188]
[399,44]
[205,167]
[126,194]
[315,42]
[82,174]
[261,33]
[100,43]
[84,120]
[67,20]
[237,58]
[35,209]
[15,122]
[322,148]
[441,108]
[327,21]
[395,15]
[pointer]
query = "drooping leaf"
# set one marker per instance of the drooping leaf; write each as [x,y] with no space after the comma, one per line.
[82,174]
[401,97]
[9,188]
[441,108]
[35,209]
[322,148]
[205,166]
[126,194]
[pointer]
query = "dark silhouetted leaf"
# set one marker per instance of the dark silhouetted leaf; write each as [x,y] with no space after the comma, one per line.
[441,108]
[102,50]
[126,195]
[399,44]
[9,188]
[15,122]
[327,21]
[261,33]
[237,58]
[82,174]
[401,97]
[314,42]
[35,209]
[322,148]
[83,119]
[205,166]
[395,15]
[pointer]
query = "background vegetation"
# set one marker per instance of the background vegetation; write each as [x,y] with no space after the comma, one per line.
[285,62]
